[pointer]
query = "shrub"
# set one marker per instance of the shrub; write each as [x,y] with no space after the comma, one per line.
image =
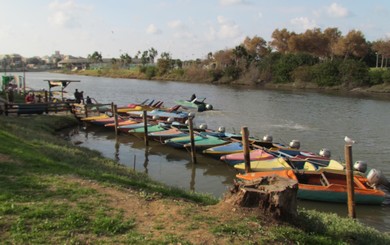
[150,72]
[288,63]
[354,72]
[326,73]
[302,74]
[386,76]
[375,76]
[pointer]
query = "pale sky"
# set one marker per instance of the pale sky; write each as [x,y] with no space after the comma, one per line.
[187,29]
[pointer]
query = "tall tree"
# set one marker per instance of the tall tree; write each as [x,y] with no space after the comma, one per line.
[312,42]
[382,49]
[256,47]
[353,44]
[95,57]
[126,59]
[280,40]
[145,57]
[152,54]
[332,35]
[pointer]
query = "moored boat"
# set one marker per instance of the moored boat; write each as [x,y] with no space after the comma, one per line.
[254,155]
[324,185]
[278,163]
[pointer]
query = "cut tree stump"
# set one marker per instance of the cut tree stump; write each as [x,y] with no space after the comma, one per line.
[274,195]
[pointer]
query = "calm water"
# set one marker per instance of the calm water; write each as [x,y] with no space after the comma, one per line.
[316,120]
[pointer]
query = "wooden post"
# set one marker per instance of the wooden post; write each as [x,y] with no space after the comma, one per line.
[193,153]
[145,118]
[114,107]
[350,182]
[245,144]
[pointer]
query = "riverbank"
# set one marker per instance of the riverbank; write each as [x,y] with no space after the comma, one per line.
[381,91]
[55,192]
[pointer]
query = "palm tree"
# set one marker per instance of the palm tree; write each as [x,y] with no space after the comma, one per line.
[95,57]
[152,54]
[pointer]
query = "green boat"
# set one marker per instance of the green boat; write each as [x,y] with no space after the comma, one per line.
[202,141]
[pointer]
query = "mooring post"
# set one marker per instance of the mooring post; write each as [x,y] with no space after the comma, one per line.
[350,182]
[115,119]
[145,118]
[245,144]
[193,153]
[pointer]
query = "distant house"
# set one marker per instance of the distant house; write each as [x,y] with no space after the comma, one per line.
[74,63]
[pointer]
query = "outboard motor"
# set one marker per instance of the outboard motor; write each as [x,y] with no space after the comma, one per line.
[203,126]
[360,166]
[221,129]
[209,107]
[156,117]
[324,152]
[170,119]
[191,115]
[295,144]
[376,178]
[267,138]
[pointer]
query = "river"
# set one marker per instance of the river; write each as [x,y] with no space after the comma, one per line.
[318,120]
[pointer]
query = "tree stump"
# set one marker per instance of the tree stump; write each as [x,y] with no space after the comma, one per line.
[274,195]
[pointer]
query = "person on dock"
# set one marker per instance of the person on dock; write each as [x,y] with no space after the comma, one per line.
[77,96]
[30,98]
[89,100]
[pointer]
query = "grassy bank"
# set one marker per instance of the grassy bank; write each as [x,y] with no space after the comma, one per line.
[52,192]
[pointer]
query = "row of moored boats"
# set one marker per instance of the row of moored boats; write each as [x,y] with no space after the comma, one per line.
[319,176]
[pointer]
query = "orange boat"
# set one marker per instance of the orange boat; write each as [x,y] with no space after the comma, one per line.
[325,185]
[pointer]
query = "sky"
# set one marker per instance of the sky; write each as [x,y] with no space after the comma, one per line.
[187,29]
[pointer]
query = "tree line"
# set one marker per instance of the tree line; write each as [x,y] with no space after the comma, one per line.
[324,58]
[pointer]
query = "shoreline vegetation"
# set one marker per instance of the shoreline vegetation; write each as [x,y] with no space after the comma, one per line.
[54,192]
[381,91]
[343,63]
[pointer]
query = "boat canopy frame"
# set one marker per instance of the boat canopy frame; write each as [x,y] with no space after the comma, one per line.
[59,82]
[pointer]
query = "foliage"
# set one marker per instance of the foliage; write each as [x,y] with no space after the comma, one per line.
[353,73]
[150,72]
[386,76]
[232,72]
[375,76]
[302,74]
[288,62]
[326,73]
[95,57]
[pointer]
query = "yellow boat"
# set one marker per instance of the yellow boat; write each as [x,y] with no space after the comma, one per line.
[265,165]
[88,119]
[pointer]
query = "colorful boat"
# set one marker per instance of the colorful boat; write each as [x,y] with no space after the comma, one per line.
[161,136]
[196,103]
[278,163]
[179,116]
[201,140]
[218,151]
[126,128]
[254,155]
[151,128]
[123,123]
[325,185]
[206,142]
[88,119]
[104,121]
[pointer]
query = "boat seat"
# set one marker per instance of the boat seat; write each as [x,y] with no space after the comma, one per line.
[324,180]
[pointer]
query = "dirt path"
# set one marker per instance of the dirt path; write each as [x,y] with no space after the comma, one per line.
[159,217]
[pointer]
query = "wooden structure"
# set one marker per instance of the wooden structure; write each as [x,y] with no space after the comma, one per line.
[63,83]
[36,108]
